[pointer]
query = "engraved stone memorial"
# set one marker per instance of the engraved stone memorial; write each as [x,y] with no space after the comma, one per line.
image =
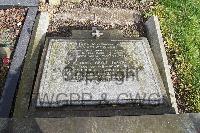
[98,71]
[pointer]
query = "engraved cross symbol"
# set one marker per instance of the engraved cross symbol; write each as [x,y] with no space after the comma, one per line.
[96,33]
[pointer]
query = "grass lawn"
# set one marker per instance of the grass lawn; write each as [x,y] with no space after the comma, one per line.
[180,25]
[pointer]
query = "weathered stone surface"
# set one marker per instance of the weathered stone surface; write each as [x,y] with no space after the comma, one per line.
[87,34]
[186,123]
[99,72]
[156,42]
[105,16]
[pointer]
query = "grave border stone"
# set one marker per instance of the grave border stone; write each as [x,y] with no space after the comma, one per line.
[13,76]
[30,64]
[155,38]
[100,110]
[160,123]
[95,112]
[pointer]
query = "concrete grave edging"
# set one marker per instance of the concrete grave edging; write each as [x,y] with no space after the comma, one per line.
[30,65]
[187,123]
[154,36]
[13,76]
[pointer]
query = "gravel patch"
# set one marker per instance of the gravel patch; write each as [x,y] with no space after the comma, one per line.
[11,22]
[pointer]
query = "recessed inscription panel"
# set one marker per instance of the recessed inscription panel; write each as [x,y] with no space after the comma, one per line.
[98,72]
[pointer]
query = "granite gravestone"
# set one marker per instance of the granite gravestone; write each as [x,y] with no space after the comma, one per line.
[97,71]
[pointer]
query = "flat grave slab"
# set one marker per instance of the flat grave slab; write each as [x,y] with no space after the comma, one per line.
[97,71]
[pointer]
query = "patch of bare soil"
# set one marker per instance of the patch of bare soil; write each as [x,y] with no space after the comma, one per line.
[11,21]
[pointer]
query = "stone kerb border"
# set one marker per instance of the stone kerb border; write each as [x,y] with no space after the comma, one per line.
[6,100]
[30,64]
[155,39]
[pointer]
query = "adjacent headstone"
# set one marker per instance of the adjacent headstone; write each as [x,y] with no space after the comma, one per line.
[85,72]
